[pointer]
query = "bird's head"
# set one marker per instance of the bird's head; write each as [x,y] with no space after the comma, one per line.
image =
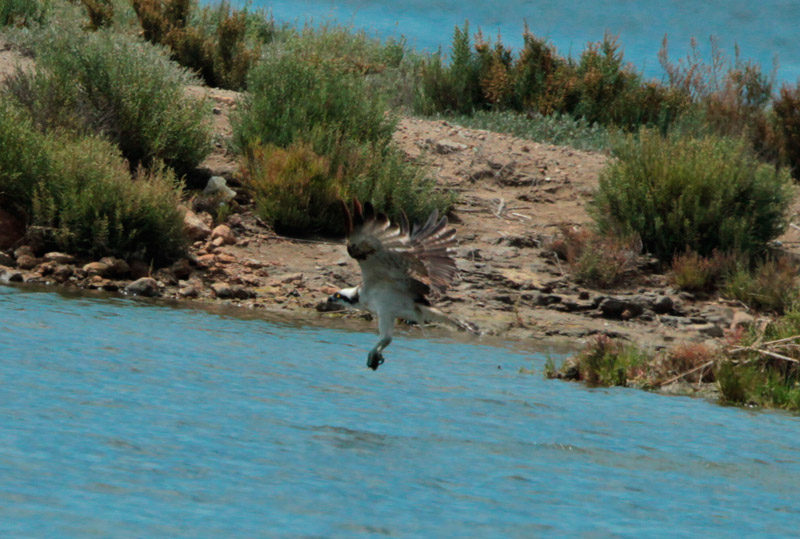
[347,297]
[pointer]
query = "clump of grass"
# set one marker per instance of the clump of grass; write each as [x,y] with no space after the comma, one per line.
[770,287]
[697,194]
[560,129]
[696,273]
[690,362]
[114,85]
[594,260]
[605,362]
[78,193]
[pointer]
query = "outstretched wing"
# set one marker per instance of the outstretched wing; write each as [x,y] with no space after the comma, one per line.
[417,258]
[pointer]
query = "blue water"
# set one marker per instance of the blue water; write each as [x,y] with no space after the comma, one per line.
[762,29]
[131,419]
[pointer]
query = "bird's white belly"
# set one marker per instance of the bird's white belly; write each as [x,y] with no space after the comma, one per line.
[386,300]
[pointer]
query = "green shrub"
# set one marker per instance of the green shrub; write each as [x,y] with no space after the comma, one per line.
[787,113]
[771,286]
[22,12]
[605,362]
[288,96]
[79,192]
[211,41]
[114,85]
[698,194]
[600,262]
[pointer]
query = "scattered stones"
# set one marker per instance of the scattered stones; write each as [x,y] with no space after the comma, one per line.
[224,233]
[59,258]
[195,227]
[96,268]
[145,286]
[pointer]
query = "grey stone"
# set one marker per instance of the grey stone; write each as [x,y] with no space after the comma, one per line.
[619,308]
[145,286]
[59,258]
[218,187]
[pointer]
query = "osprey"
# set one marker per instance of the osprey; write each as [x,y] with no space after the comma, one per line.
[400,268]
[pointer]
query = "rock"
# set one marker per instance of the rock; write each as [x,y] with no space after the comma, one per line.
[194,227]
[116,266]
[166,276]
[96,268]
[46,268]
[182,268]
[673,321]
[448,146]
[189,291]
[26,262]
[224,232]
[292,277]
[222,290]
[139,269]
[547,299]
[145,286]
[742,320]
[5,259]
[663,305]
[217,187]
[10,275]
[24,250]
[240,292]
[710,330]
[223,258]
[619,308]
[218,242]
[62,272]
[11,230]
[206,261]
[234,220]
[59,258]
[98,282]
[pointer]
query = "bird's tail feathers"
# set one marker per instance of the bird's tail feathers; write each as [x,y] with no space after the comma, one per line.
[435,315]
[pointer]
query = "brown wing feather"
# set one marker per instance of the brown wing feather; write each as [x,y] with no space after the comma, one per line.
[420,258]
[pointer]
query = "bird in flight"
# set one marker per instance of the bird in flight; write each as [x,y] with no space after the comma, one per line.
[401,268]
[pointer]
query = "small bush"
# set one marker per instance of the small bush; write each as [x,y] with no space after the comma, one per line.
[211,42]
[605,362]
[595,261]
[696,273]
[22,12]
[111,84]
[694,363]
[787,112]
[79,192]
[771,287]
[698,194]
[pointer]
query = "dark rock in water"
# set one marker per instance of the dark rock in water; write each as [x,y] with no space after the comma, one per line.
[9,275]
[146,286]
[620,308]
